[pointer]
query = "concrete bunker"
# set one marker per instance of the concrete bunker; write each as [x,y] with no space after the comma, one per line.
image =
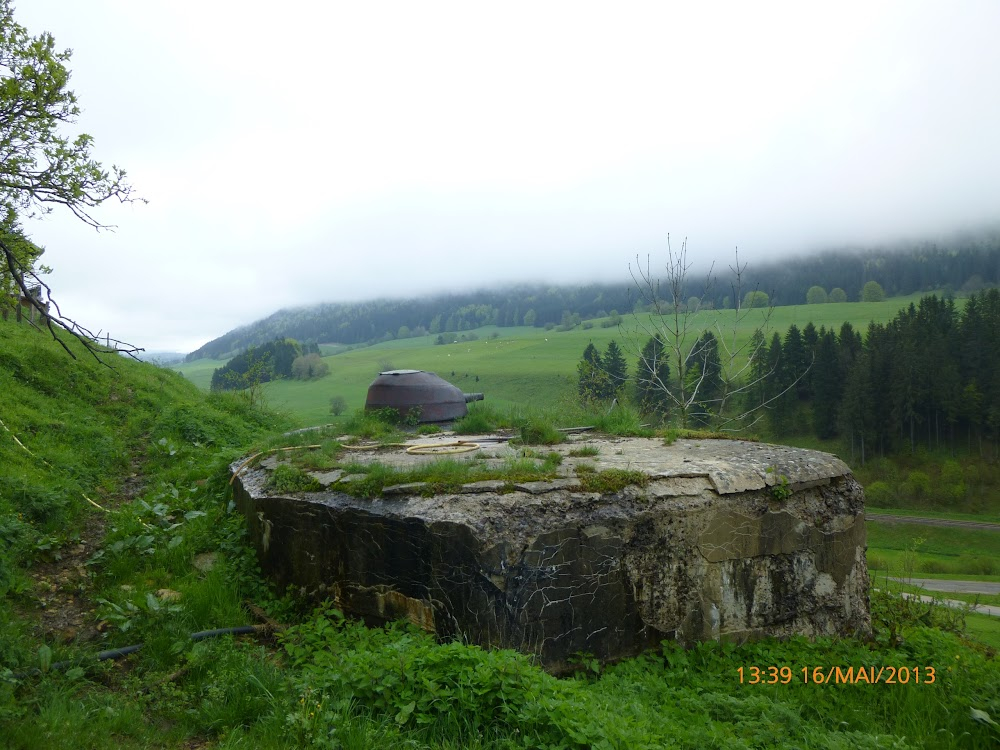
[715,540]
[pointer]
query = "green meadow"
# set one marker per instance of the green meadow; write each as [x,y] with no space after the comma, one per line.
[948,551]
[524,366]
[118,529]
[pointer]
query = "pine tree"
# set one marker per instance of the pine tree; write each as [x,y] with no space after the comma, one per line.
[758,384]
[856,413]
[849,341]
[810,340]
[703,379]
[592,378]
[828,380]
[795,361]
[783,404]
[652,378]
[615,370]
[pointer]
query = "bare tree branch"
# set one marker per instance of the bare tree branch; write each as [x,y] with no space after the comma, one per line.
[694,391]
[86,337]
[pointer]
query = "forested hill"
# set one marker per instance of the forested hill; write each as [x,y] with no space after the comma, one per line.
[968,264]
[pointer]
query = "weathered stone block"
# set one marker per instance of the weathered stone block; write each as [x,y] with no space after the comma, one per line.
[706,550]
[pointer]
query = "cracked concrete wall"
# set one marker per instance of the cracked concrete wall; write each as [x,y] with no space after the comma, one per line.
[704,551]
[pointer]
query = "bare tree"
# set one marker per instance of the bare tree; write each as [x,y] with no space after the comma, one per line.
[714,361]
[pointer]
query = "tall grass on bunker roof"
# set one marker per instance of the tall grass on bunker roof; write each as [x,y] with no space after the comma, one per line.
[611,481]
[373,424]
[536,431]
[622,420]
[443,475]
[480,420]
[484,418]
[325,436]
[287,478]
[323,458]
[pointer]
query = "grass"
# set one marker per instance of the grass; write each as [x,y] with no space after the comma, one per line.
[521,366]
[667,698]
[985,629]
[942,514]
[152,451]
[934,549]
[444,475]
[982,628]
[990,600]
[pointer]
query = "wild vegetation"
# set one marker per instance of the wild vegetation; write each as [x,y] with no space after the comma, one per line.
[127,592]
[164,558]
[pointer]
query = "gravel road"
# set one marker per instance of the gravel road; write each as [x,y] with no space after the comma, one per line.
[885,518]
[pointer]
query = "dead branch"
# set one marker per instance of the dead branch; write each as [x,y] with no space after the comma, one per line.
[86,337]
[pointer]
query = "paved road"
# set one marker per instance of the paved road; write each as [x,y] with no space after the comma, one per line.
[885,518]
[983,609]
[954,587]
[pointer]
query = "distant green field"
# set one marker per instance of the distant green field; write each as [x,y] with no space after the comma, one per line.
[956,551]
[520,366]
[200,371]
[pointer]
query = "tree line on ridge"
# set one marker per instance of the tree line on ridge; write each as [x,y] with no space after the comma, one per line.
[929,377]
[968,264]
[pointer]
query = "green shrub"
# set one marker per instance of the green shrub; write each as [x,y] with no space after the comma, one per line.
[951,483]
[877,563]
[881,495]
[917,485]
[405,676]
[983,566]
[40,503]
[338,405]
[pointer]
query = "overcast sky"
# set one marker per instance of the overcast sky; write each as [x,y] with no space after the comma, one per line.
[302,151]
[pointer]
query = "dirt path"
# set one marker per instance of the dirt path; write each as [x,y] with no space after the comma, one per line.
[61,607]
[886,518]
[61,586]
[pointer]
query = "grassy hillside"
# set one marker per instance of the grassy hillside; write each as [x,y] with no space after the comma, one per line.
[117,529]
[519,366]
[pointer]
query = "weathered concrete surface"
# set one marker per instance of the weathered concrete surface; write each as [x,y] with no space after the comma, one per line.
[708,549]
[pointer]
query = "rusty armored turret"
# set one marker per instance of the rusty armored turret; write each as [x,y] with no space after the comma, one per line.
[407,390]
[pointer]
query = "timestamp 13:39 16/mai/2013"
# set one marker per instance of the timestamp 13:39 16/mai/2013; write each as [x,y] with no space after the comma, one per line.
[886,675]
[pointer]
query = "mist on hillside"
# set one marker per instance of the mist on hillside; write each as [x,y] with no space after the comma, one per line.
[962,265]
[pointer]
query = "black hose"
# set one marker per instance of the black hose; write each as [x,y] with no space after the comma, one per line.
[118,653]
[241,630]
